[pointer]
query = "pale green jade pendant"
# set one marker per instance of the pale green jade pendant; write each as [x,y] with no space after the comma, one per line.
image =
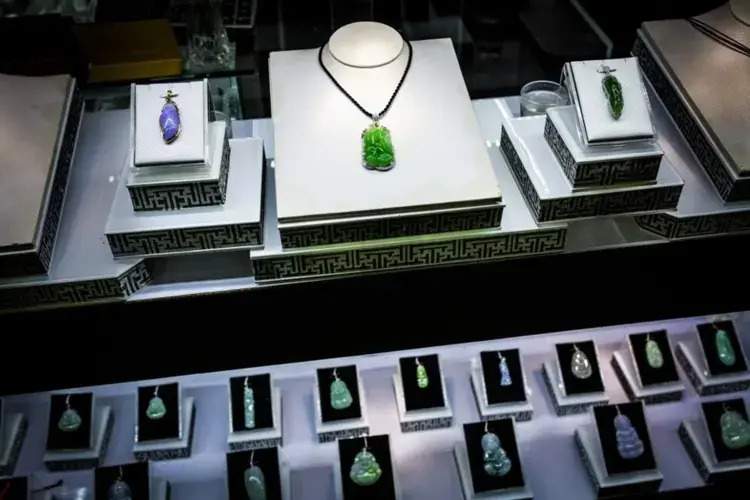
[156,407]
[69,421]
[724,348]
[654,356]
[365,470]
[377,148]
[735,430]
[255,483]
[341,398]
[422,379]
[580,365]
[248,402]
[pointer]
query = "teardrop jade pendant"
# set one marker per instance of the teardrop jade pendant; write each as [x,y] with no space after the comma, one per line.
[255,483]
[341,398]
[248,400]
[654,356]
[365,470]
[735,430]
[580,365]
[377,148]
[724,348]
[156,408]
[69,421]
[422,379]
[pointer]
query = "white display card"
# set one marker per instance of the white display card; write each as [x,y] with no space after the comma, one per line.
[599,126]
[191,147]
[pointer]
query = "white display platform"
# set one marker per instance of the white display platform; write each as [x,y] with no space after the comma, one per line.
[191,147]
[690,357]
[170,449]
[323,193]
[519,236]
[234,225]
[254,439]
[365,44]
[170,188]
[82,269]
[597,125]
[14,427]
[606,485]
[101,431]
[467,484]
[339,475]
[520,411]
[421,420]
[627,373]
[600,166]
[568,405]
[695,438]
[548,192]
[329,432]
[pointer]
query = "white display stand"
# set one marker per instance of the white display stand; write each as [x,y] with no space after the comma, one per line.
[191,147]
[14,427]
[169,449]
[597,126]
[236,224]
[365,45]
[329,432]
[695,438]
[467,484]
[520,411]
[253,439]
[421,420]
[606,485]
[627,373]
[568,405]
[101,431]
[338,476]
[690,357]
[442,163]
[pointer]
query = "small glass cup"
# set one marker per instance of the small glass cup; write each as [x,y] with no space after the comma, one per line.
[537,97]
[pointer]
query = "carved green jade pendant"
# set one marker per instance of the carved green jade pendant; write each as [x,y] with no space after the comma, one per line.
[69,421]
[654,356]
[422,378]
[724,348]
[341,398]
[612,91]
[365,470]
[377,148]
[735,430]
[156,408]
[255,483]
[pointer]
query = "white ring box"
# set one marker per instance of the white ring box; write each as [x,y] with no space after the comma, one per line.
[467,485]
[564,404]
[253,439]
[690,357]
[521,411]
[101,432]
[695,438]
[627,372]
[169,449]
[328,432]
[13,427]
[422,420]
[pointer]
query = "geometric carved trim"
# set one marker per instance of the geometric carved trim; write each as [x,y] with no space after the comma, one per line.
[670,227]
[430,253]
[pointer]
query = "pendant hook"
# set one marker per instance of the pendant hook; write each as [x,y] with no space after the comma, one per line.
[156,391]
[67,401]
[169,96]
[335,373]
[605,70]
[618,410]
[122,475]
[486,427]
[247,378]
[365,439]
[375,117]
[416,361]
[252,458]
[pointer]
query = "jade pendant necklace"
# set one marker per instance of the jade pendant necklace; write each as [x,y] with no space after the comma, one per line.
[377,146]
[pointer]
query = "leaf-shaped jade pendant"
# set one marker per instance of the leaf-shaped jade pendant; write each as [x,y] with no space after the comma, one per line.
[654,356]
[724,348]
[255,483]
[580,365]
[613,91]
[341,398]
[735,430]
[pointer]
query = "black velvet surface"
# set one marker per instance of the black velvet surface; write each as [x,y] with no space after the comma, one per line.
[496,393]
[79,439]
[325,377]
[167,427]
[14,488]
[379,446]
[504,430]
[712,413]
[136,475]
[261,386]
[574,385]
[654,376]
[707,336]
[268,461]
[416,398]
[604,417]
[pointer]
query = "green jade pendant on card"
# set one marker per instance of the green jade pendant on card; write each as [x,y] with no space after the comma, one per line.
[612,91]
[255,483]
[365,470]
[654,356]
[724,348]
[422,380]
[735,430]
[69,421]
[377,148]
[341,398]
[156,408]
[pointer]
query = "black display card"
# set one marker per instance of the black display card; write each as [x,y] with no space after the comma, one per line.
[167,427]
[707,336]
[261,386]
[416,398]
[14,488]
[79,439]
[348,374]
[605,426]
[573,384]
[712,413]
[267,459]
[503,429]
[135,475]
[496,393]
[653,376]
[379,446]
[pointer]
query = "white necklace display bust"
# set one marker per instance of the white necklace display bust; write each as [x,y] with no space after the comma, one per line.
[365,45]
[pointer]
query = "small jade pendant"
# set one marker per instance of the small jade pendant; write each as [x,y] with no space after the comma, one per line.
[255,483]
[377,148]
[248,399]
[612,91]
[496,461]
[724,348]
[735,430]
[654,356]
[119,491]
[629,444]
[69,421]
[580,365]
[505,379]
[365,470]
[156,408]
[422,379]
[341,398]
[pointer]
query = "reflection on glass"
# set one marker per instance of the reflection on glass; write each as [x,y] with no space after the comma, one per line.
[537,97]
[208,46]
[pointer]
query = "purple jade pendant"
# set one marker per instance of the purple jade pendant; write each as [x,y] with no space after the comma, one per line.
[629,444]
[169,119]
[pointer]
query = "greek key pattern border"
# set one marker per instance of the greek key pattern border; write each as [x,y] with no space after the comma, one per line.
[592,205]
[187,194]
[668,226]
[405,255]
[76,292]
[728,188]
[602,173]
[413,225]
[170,241]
